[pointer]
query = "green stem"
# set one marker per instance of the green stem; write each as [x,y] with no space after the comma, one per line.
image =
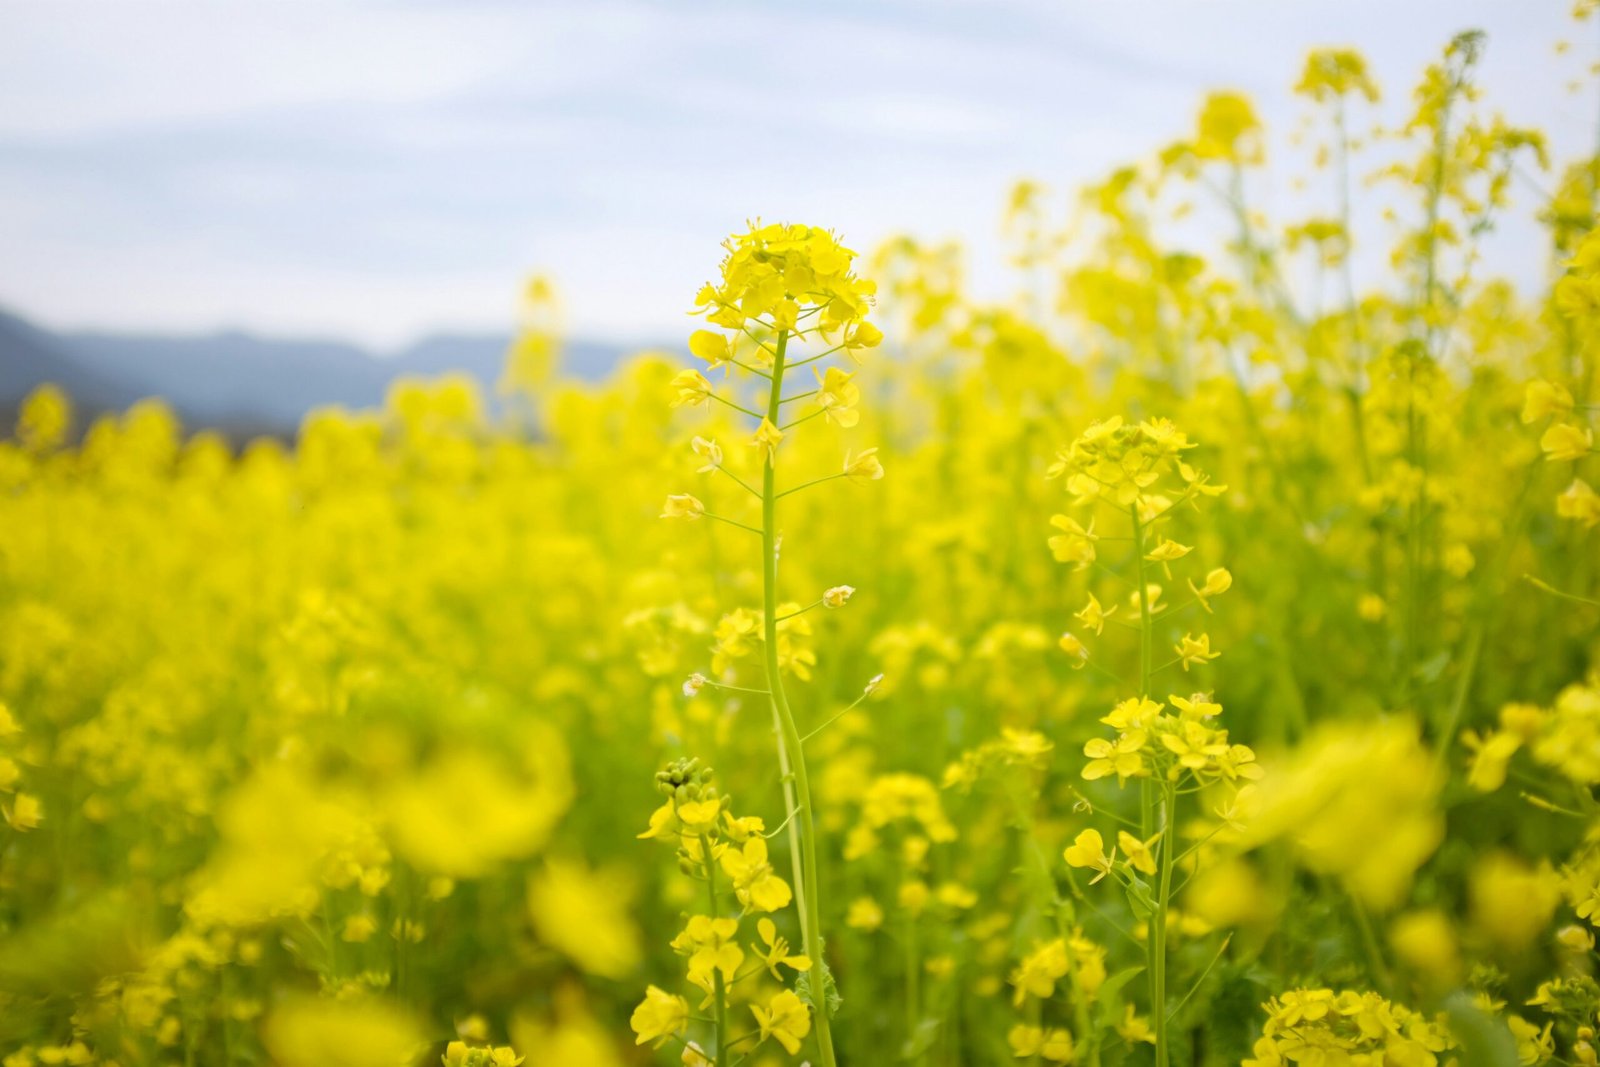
[1145,628]
[1488,595]
[790,751]
[1176,1008]
[1158,925]
[1061,912]
[719,989]
[913,982]
[1546,587]
[1411,635]
[1158,802]
[1376,968]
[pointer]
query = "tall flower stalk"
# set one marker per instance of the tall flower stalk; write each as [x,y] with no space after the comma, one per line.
[782,285]
[791,752]
[1171,748]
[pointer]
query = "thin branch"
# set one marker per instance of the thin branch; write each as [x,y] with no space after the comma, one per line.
[731,404]
[733,522]
[808,485]
[745,485]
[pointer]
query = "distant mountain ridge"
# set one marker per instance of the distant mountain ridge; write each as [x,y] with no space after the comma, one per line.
[29,356]
[242,382]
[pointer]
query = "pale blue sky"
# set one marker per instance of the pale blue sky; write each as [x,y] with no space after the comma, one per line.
[379,170]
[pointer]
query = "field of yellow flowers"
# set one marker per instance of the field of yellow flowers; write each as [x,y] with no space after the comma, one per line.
[1191,661]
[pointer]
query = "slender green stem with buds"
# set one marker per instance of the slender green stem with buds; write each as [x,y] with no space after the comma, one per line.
[798,795]
[1158,802]
[1146,626]
[1167,822]
[719,988]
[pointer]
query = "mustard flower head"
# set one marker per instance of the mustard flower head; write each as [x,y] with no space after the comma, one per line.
[774,275]
[1125,465]
[1319,1025]
[1152,741]
[460,1054]
[686,780]
[1052,1044]
[1331,73]
[1228,129]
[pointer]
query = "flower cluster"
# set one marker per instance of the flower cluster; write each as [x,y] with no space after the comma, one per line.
[1039,970]
[1178,741]
[460,1054]
[777,276]
[1140,473]
[1128,465]
[1343,779]
[1013,752]
[1361,1029]
[1564,737]
[22,810]
[728,853]
[1079,961]
[1568,436]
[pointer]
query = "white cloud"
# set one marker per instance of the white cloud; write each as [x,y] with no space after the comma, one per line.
[377,170]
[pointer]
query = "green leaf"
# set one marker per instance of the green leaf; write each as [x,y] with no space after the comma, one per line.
[1108,995]
[802,988]
[1139,897]
[1485,1040]
[921,1040]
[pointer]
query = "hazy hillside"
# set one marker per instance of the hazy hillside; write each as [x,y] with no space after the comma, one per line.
[29,356]
[231,376]
[240,381]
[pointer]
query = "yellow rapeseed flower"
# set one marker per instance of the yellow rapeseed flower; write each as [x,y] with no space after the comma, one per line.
[1088,850]
[659,1017]
[784,1018]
